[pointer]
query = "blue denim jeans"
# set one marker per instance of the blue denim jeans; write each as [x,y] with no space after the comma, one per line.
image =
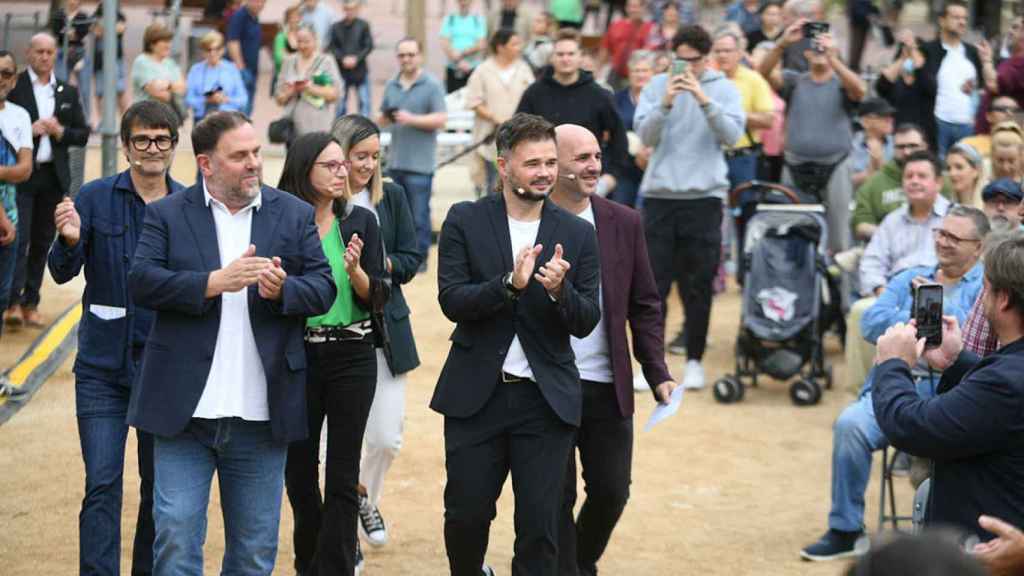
[249,81]
[249,464]
[742,169]
[417,190]
[855,437]
[362,94]
[948,134]
[8,258]
[101,403]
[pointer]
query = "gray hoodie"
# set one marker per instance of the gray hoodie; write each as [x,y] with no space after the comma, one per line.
[688,160]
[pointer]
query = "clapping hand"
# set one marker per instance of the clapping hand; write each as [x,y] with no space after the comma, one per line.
[271,280]
[525,262]
[353,252]
[552,274]
[68,222]
[243,272]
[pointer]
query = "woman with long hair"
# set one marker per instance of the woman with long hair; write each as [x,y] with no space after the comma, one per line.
[342,371]
[966,170]
[360,139]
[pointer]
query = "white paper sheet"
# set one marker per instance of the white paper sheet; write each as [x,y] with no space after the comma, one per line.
[107,312]
[663,411]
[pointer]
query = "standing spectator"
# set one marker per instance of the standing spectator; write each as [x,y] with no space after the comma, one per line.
[688,119]
[966,174]
[493,92]
[794,56]
[95,232]
[568,13]
[744,13]
[309,84]
[212,83]
[15,167]
[622,38]
[74,67]
[512,15]
[232,270]
[351,43]
[641,69]
[321,17]
[360,139]
[664,30]
[537,51]
[342,365]
[904,85]
[773,139]
[770,14]
[688,10]
[464,41]
[244,39]
[569,95]
[1001,109]
[57,124]
[1009,82]
[155,74]
[120,86]
[819,132]
[955,70]
[861,14]
[872,146]
[413,106]
[285,42]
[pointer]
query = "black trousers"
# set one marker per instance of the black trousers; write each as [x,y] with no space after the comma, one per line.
[684,243]
[454,79]
[517,432]
[341,382]
[37,200]
[605,443]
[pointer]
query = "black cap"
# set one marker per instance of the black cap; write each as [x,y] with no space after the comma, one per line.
[1004,186]
[876,107]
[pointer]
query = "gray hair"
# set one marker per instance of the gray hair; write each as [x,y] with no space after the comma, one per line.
[731,30]
[639,56]
[977,217]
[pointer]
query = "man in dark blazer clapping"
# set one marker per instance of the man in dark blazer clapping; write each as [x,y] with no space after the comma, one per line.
[519,276]
[57,123]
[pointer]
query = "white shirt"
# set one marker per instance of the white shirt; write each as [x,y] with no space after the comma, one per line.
[523,234]
[16,126]
[592,357]
[46,101]
[362,199]
[951,104]
[237,384]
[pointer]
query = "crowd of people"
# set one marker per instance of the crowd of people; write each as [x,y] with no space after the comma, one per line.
[257,332]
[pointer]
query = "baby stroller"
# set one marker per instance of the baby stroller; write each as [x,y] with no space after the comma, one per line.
[789,299]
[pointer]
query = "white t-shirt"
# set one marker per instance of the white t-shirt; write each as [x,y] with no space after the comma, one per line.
[362,199]
[16,126]
[522,234]
[951,103]
[592,357]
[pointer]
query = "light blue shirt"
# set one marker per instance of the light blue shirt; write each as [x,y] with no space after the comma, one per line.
[900,243]
[202,78]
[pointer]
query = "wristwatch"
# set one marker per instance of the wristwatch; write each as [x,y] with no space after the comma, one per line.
[510,288]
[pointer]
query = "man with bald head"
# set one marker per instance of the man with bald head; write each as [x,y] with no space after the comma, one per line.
[627,293]
[57,123]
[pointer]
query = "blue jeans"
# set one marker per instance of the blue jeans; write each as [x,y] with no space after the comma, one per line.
[417,190]
[249,81]
[101,403]
[855,437]
[8,258]
[250,471]
[626,192]
[948,134]
[742,169]
[362,94]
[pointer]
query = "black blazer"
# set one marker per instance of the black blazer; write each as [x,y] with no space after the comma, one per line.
[399,234]
[68,110]
[173,260]
[474,255]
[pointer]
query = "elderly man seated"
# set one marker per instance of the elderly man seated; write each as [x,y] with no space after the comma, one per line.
[958,246]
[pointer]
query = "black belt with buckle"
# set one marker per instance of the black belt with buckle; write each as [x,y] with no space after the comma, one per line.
[512,378]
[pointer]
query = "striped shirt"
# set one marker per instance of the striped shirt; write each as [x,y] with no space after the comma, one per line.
[978,335]
[900,242]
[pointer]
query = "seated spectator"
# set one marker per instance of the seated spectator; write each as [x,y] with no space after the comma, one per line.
[957,241]
[214,84]
[872,146]
[1007,147]
[972,429]
[464,43]
[537,52]
[155,74]
[1002,203]
[1003,109]
[770,15]
[905,87]
[309,83]
[966,171]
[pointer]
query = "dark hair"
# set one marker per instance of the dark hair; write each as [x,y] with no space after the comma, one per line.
[206,134]
[924,156]
[981,224]
[905,127]
[302,155]
[1004,270]
[927,554]
[155,32]
[693,36]
[9,54]
[500,38]
[522,127]
[148,114]
[768,4]
[951,3]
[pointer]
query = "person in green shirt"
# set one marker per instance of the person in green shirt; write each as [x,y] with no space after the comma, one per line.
[340,344]
[285,42]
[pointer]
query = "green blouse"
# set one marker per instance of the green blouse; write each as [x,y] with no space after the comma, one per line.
[345,309]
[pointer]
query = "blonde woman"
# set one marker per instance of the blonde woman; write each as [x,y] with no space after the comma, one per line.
[966,170]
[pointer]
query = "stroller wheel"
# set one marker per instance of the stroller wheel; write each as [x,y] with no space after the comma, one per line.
[805,392]
[728,390]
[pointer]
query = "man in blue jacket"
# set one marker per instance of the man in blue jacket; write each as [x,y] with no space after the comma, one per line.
[99,231]
[973,429]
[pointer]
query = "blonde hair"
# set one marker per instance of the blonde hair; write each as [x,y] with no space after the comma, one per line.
[350,130]
[211,39]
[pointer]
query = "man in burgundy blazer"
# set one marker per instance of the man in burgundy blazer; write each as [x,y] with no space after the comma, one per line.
[628,293]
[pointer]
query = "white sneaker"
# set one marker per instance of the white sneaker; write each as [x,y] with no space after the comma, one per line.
[371,523]
[640,383]
[693,379]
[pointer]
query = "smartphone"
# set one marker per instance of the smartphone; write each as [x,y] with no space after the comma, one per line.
[389,113]
[679,67]
[813,29]
[928,313]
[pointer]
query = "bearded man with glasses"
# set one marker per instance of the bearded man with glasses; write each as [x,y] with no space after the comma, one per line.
[98,231]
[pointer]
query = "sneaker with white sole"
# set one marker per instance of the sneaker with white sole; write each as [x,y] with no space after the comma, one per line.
[835,545]
[371,523]
[693,379]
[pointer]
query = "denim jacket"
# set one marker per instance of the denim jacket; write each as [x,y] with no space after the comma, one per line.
[112,214]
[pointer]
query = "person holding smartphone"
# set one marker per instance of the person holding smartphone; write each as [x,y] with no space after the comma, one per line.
[214,84]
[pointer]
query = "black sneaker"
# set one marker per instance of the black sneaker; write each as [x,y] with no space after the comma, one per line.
[834,545]
[371,523]
[677,347]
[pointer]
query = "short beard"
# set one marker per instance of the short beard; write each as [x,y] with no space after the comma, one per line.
[524,193]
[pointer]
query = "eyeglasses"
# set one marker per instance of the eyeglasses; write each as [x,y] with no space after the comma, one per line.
[142,143]
[953,239]
[334,166]
[908,146]
[1005,109]
[404,55]
[8,74]
[693,60]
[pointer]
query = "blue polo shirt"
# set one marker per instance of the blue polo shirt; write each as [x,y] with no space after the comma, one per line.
[112,214]
[412,149]
[245,28]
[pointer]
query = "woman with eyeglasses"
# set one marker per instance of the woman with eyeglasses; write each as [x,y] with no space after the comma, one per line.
[308,84]
[360,140]
[212,83]
[342,371]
